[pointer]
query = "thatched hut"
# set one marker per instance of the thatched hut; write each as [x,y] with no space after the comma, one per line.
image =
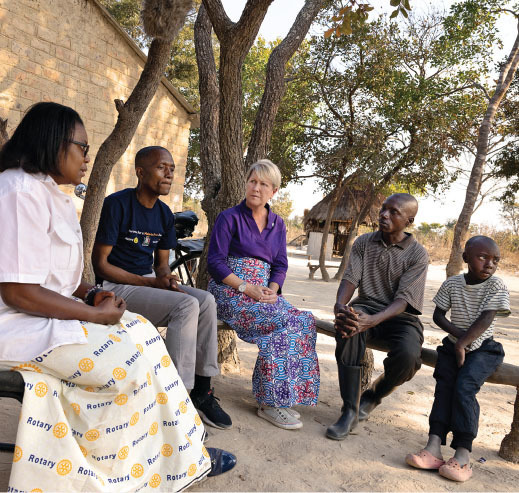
[342,218]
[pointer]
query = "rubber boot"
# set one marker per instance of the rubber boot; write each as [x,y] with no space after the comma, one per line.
[372,397]
[349,384]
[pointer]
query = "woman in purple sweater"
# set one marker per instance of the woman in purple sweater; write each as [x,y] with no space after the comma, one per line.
[248,264]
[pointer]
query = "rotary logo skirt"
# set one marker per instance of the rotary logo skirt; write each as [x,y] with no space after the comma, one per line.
[110,415]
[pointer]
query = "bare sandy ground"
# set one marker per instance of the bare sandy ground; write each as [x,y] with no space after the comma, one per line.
[271,459]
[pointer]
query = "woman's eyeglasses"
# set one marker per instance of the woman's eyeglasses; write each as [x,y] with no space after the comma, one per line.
[85,147]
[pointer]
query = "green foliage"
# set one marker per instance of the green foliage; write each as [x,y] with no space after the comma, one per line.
[510,212]
[193,180]
[282,205]
[471,34]
[354,12]
[387,105]
[427,228]
[127,13]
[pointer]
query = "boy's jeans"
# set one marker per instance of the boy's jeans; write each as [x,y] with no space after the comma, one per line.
[455,406]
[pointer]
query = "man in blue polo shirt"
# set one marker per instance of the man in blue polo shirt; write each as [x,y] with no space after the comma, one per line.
[131,257]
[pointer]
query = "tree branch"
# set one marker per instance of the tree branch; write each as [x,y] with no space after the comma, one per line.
[324,94]
[462,88]
[313,127]
[219,18]
[275,85]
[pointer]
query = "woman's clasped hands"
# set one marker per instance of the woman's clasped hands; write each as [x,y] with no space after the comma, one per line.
[261,293]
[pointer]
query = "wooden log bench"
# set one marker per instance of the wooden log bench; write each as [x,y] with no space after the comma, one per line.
[506,374]
[12,386]
[313,265]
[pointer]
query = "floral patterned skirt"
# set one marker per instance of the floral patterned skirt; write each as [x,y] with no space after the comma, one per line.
[287,370]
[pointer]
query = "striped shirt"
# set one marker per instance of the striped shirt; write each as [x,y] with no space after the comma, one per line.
[384,273]
[468,301]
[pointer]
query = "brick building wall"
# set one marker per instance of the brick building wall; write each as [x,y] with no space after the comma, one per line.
[72,52]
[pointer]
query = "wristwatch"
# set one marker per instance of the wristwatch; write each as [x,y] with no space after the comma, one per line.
[242,287]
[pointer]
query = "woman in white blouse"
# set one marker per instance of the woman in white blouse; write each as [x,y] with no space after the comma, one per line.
[104,408]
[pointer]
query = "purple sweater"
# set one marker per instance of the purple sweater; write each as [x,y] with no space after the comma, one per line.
[236,234]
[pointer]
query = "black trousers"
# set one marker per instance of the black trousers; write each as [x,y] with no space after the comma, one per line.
[455,406]
[403,333]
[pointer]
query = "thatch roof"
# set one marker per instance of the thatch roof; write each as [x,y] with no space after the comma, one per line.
[347,207]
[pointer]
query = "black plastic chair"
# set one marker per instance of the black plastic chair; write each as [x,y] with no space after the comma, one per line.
[12,386]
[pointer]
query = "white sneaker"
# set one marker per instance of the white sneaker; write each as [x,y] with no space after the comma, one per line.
[291,411]
[280,417]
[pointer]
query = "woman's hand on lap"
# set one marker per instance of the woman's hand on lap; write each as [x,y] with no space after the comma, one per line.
[110,310]
[268,296]
[253,291]
[102,295]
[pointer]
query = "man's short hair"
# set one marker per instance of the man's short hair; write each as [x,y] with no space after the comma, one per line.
[142,156]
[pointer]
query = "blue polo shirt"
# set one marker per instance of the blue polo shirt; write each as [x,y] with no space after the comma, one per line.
[135,231]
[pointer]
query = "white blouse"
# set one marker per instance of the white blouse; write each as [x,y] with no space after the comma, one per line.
[41,244]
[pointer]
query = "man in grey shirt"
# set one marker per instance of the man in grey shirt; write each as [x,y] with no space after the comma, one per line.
[389,268]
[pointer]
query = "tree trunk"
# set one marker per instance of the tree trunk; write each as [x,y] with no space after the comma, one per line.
[510,445]
[236,40]
[221,135]
[130,114]
[352,233]
[210,146]
[221,124]
[337,193]
[367,364]
[4,137]
[228,357]
[506,76]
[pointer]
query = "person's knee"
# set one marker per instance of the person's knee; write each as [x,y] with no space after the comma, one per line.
[466,387]
[407,360]
[187,306]
[207,302]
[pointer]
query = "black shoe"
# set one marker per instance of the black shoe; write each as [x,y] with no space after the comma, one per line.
[210,411]
[344,425]
[221,461]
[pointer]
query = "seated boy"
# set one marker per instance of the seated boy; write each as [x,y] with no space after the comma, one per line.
[466,358]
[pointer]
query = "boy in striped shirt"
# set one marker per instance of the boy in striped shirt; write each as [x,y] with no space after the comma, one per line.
[466,358]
